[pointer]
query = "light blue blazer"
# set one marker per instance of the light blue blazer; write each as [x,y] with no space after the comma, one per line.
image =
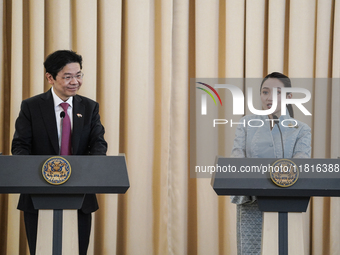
[261,142]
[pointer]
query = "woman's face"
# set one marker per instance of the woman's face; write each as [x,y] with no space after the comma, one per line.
[267,95]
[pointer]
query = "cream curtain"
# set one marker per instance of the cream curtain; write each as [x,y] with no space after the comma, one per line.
[138,58]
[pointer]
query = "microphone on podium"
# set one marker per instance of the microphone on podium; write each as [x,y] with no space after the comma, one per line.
[276,121]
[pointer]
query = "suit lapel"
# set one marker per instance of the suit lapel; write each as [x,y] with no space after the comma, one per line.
[48,115]
[78,122]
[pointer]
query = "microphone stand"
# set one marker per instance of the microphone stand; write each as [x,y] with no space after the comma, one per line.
[276,120]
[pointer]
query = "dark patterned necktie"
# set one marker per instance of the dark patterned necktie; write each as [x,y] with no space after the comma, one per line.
[65,148]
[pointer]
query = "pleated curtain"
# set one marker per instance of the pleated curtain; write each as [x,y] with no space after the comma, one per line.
[138,58]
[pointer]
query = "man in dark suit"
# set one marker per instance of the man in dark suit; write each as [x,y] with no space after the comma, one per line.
[38,131]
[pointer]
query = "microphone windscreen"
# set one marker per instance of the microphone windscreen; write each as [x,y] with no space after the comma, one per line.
[276,119]
[62,114]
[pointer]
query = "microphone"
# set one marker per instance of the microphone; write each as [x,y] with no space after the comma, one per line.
[62,114]
[276,121]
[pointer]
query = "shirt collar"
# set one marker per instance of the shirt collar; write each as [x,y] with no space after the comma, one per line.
[58,101]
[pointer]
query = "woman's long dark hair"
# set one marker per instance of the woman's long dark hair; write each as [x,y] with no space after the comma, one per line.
[286,82]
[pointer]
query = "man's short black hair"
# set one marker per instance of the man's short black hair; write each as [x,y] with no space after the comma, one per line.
[56,61]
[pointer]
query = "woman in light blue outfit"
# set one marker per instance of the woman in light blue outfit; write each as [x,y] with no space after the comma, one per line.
[265,142]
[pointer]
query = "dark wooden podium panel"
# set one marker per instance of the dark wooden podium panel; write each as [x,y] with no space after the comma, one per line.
[89,174]
[57,222]
[279,203]
[258,184]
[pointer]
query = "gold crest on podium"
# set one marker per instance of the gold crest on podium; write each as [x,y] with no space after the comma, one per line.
[284,173]
[56,170]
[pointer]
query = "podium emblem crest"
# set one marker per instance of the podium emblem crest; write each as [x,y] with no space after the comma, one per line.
[284,173]
[56,170]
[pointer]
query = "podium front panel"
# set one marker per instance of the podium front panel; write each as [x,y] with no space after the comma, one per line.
[89,175]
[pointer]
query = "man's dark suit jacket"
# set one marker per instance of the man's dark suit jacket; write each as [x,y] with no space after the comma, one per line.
[36,134]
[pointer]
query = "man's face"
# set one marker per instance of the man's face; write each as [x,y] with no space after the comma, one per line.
[63,87]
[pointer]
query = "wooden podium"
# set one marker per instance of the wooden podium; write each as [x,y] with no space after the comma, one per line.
[317,177]
[58,204]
